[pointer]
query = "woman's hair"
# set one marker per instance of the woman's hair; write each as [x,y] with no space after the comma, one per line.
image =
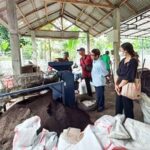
[129,48]
[96,52]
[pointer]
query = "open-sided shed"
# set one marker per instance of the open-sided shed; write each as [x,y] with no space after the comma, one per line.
[25,17]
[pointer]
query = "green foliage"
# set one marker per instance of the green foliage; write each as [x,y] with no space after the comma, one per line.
[4,39]
[4,45]
[3,33]
[24,41]
[102,43]
[26,44]
[71,46]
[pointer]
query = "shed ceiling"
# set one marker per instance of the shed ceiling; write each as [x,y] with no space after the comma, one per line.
[93,16]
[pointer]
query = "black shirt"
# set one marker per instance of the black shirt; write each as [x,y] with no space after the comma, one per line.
[127,71]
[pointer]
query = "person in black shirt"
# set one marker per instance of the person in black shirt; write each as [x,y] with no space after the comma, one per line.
[126,73]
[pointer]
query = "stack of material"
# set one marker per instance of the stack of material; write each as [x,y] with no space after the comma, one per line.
[108,133]
[145,107]
[15,82]
[54,117]
[26,136]
[145,79]
[145,96]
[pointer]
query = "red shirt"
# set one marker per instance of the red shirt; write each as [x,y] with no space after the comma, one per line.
[83,62]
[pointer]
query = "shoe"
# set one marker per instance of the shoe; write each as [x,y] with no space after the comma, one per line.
[100,109]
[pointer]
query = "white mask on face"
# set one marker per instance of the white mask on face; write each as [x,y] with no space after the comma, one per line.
[121,54]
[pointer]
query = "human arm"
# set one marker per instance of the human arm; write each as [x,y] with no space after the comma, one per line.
[117,89]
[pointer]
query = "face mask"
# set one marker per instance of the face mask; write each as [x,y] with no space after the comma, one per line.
[121,54]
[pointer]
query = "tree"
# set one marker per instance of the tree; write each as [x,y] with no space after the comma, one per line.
[4,39]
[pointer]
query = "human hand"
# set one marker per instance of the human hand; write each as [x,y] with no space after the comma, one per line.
[118,89]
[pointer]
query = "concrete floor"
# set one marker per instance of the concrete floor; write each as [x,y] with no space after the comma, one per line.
[110,105]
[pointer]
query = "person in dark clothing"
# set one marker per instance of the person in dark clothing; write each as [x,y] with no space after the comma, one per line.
[126,73]
[86,65]
[66,56]
[64,59]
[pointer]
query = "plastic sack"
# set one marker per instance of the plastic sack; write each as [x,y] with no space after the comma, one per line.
[25,133]
[103,128]
[88,141]
[45,141]
[140,134]
[26,137]
[145,107]
[118,131]
[83,89]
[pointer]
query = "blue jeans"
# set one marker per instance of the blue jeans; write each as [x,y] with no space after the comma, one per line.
[100,97]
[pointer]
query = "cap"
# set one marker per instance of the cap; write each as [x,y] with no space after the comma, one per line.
[81,49]
[66,53]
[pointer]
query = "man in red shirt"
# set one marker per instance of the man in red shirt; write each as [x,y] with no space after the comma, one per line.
[86,65]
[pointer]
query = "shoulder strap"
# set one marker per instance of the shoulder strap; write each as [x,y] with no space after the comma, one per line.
[83,60]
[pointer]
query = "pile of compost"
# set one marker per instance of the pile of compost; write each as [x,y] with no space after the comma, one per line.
[54,117]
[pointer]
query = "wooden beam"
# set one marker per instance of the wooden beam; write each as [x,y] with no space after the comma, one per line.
[2,22]
[46,11]
[68,27]
[99,33]
[111,4]
[55,26]
[90,16]
[80,14]
[73,17]
[55,34]
[46,23]
[62,9]
[41,19]
[82,3]
[33,11]
[102,19]
[131,8]
[122,3]
[24,18]
[34,7]
[104,10]
[74,23]
[62,26]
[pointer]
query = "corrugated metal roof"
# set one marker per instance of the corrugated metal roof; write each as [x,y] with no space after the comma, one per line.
[88,17]
[138,26]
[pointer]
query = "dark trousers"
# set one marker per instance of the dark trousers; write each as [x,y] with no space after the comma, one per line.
[100,97]
[88,86]
[126,104]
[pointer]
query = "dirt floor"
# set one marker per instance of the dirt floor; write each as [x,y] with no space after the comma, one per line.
[110,105]
[8,123]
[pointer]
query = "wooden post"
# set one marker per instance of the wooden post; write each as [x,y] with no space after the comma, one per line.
[50,53]
[88,43]
[34,48]
[14,36]
[116,37]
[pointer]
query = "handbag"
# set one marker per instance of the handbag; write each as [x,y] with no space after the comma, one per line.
[132,90]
